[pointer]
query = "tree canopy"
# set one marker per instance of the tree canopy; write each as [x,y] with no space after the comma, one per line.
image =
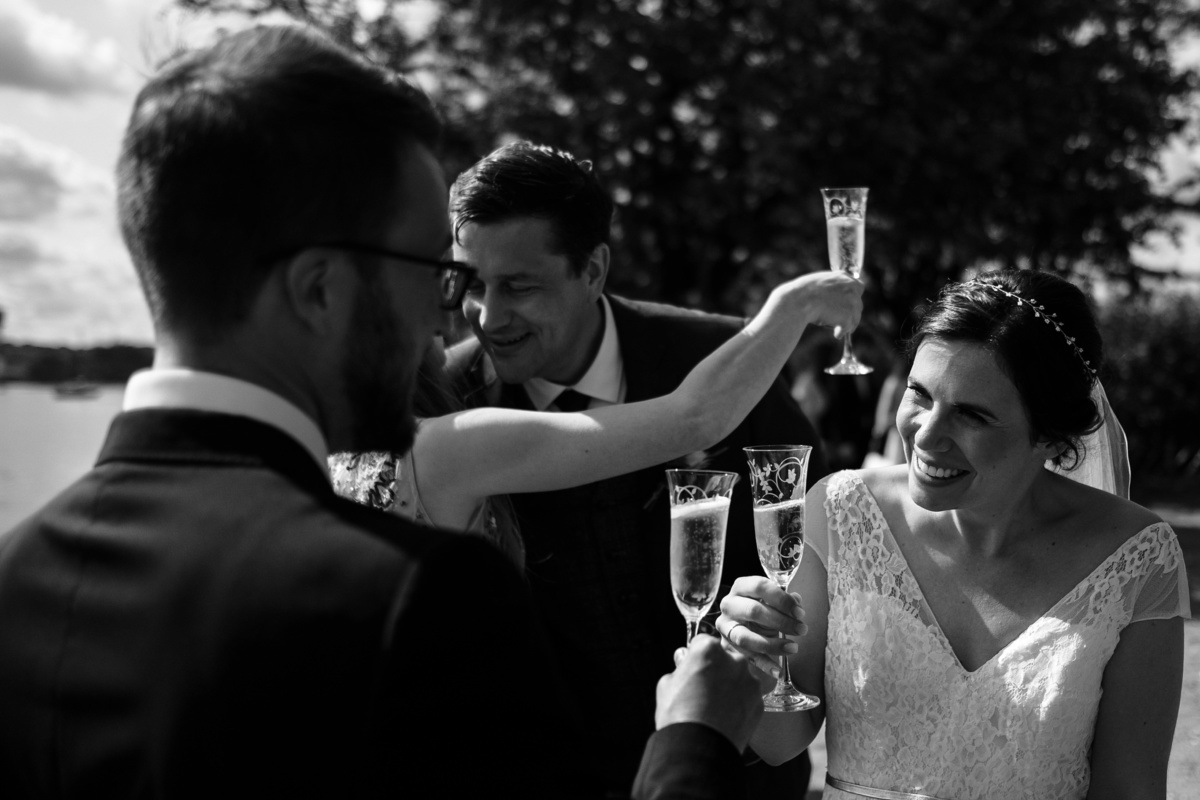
[991,132]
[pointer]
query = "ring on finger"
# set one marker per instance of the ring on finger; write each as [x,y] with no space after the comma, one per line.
[729,632]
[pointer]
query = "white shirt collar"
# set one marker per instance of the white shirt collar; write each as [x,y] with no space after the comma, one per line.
[207,391]
[604,380]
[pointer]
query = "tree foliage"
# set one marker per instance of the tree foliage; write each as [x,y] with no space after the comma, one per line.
[1150,344]
[991,132]
[45,364]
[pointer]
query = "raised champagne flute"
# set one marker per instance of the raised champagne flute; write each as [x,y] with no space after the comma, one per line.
[778,476]
[699,512]
[845,228]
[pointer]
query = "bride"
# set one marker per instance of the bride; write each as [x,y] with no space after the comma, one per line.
[979,626]
[461,462]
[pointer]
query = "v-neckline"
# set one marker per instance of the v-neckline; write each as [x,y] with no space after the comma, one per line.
[910,577]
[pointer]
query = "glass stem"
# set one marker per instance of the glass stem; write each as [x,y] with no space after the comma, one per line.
[784,682]
[847,348]
[693,627]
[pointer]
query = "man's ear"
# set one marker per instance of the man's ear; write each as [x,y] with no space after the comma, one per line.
[595,271]
[318,286]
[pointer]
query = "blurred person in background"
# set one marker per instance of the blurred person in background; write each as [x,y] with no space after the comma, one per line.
[886,447]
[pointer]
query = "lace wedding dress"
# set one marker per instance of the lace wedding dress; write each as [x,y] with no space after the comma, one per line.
[904,715]
[388,482]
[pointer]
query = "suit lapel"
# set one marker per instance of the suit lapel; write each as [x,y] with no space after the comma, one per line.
[650,369]
[474,379]
[645,351]
[513,395]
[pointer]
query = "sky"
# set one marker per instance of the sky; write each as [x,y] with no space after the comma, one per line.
[69,71]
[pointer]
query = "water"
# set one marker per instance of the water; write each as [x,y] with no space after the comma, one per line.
[779,531]
[846,242]
[46,443]
[697,553]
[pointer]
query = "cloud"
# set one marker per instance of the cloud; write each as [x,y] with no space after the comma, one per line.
[38,180]
[28,189]
[44,52]
[74,296]
[65,277]
[17,254]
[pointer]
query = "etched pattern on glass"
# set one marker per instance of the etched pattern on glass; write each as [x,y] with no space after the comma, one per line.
[846,206]
[779,534]
[779,482]
[773,485]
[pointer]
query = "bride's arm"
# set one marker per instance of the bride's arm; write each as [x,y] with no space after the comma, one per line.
[1136,720]
[753,614]
[488,451]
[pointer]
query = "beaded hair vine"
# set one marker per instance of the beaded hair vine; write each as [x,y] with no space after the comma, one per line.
[1047,317]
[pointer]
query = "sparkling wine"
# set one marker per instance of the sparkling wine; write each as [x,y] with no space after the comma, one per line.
[697,554]
[847,237]
[779,532]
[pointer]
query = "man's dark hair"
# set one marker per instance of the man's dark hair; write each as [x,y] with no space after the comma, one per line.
[270,139]
[522,180]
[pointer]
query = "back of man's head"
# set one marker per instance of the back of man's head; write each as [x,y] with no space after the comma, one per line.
[522,180]
[270,139]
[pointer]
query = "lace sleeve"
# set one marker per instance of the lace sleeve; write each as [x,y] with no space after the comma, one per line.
[835,487]
[367,478]
[1163,591]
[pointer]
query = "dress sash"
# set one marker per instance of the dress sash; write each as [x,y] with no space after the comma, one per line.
[875,794]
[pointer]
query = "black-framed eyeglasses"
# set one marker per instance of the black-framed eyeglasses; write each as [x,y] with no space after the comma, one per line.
[454,276]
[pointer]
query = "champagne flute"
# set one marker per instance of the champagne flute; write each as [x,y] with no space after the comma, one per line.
[778,476]
[699,511]
[845,228]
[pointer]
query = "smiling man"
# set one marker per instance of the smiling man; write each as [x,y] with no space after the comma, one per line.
[539,318]
[535,222]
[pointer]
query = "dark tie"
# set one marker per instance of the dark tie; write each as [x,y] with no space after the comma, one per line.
[571,400]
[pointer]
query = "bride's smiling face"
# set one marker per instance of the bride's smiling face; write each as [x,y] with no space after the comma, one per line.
[966,433]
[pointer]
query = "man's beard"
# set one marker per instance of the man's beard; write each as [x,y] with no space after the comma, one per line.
[379,384]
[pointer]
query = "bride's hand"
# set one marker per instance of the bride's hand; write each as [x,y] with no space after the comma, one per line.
[753,615]
[826,298]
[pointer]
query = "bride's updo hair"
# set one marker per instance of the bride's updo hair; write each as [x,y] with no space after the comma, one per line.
[1045,336]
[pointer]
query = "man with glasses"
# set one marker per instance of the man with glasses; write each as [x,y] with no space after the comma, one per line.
[454,277]
[200,615]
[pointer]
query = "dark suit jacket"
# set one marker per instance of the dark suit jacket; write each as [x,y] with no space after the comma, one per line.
[200,616]
[598,555]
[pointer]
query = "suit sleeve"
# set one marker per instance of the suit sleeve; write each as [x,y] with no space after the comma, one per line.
[777,419]
[476,705]
[689,760]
